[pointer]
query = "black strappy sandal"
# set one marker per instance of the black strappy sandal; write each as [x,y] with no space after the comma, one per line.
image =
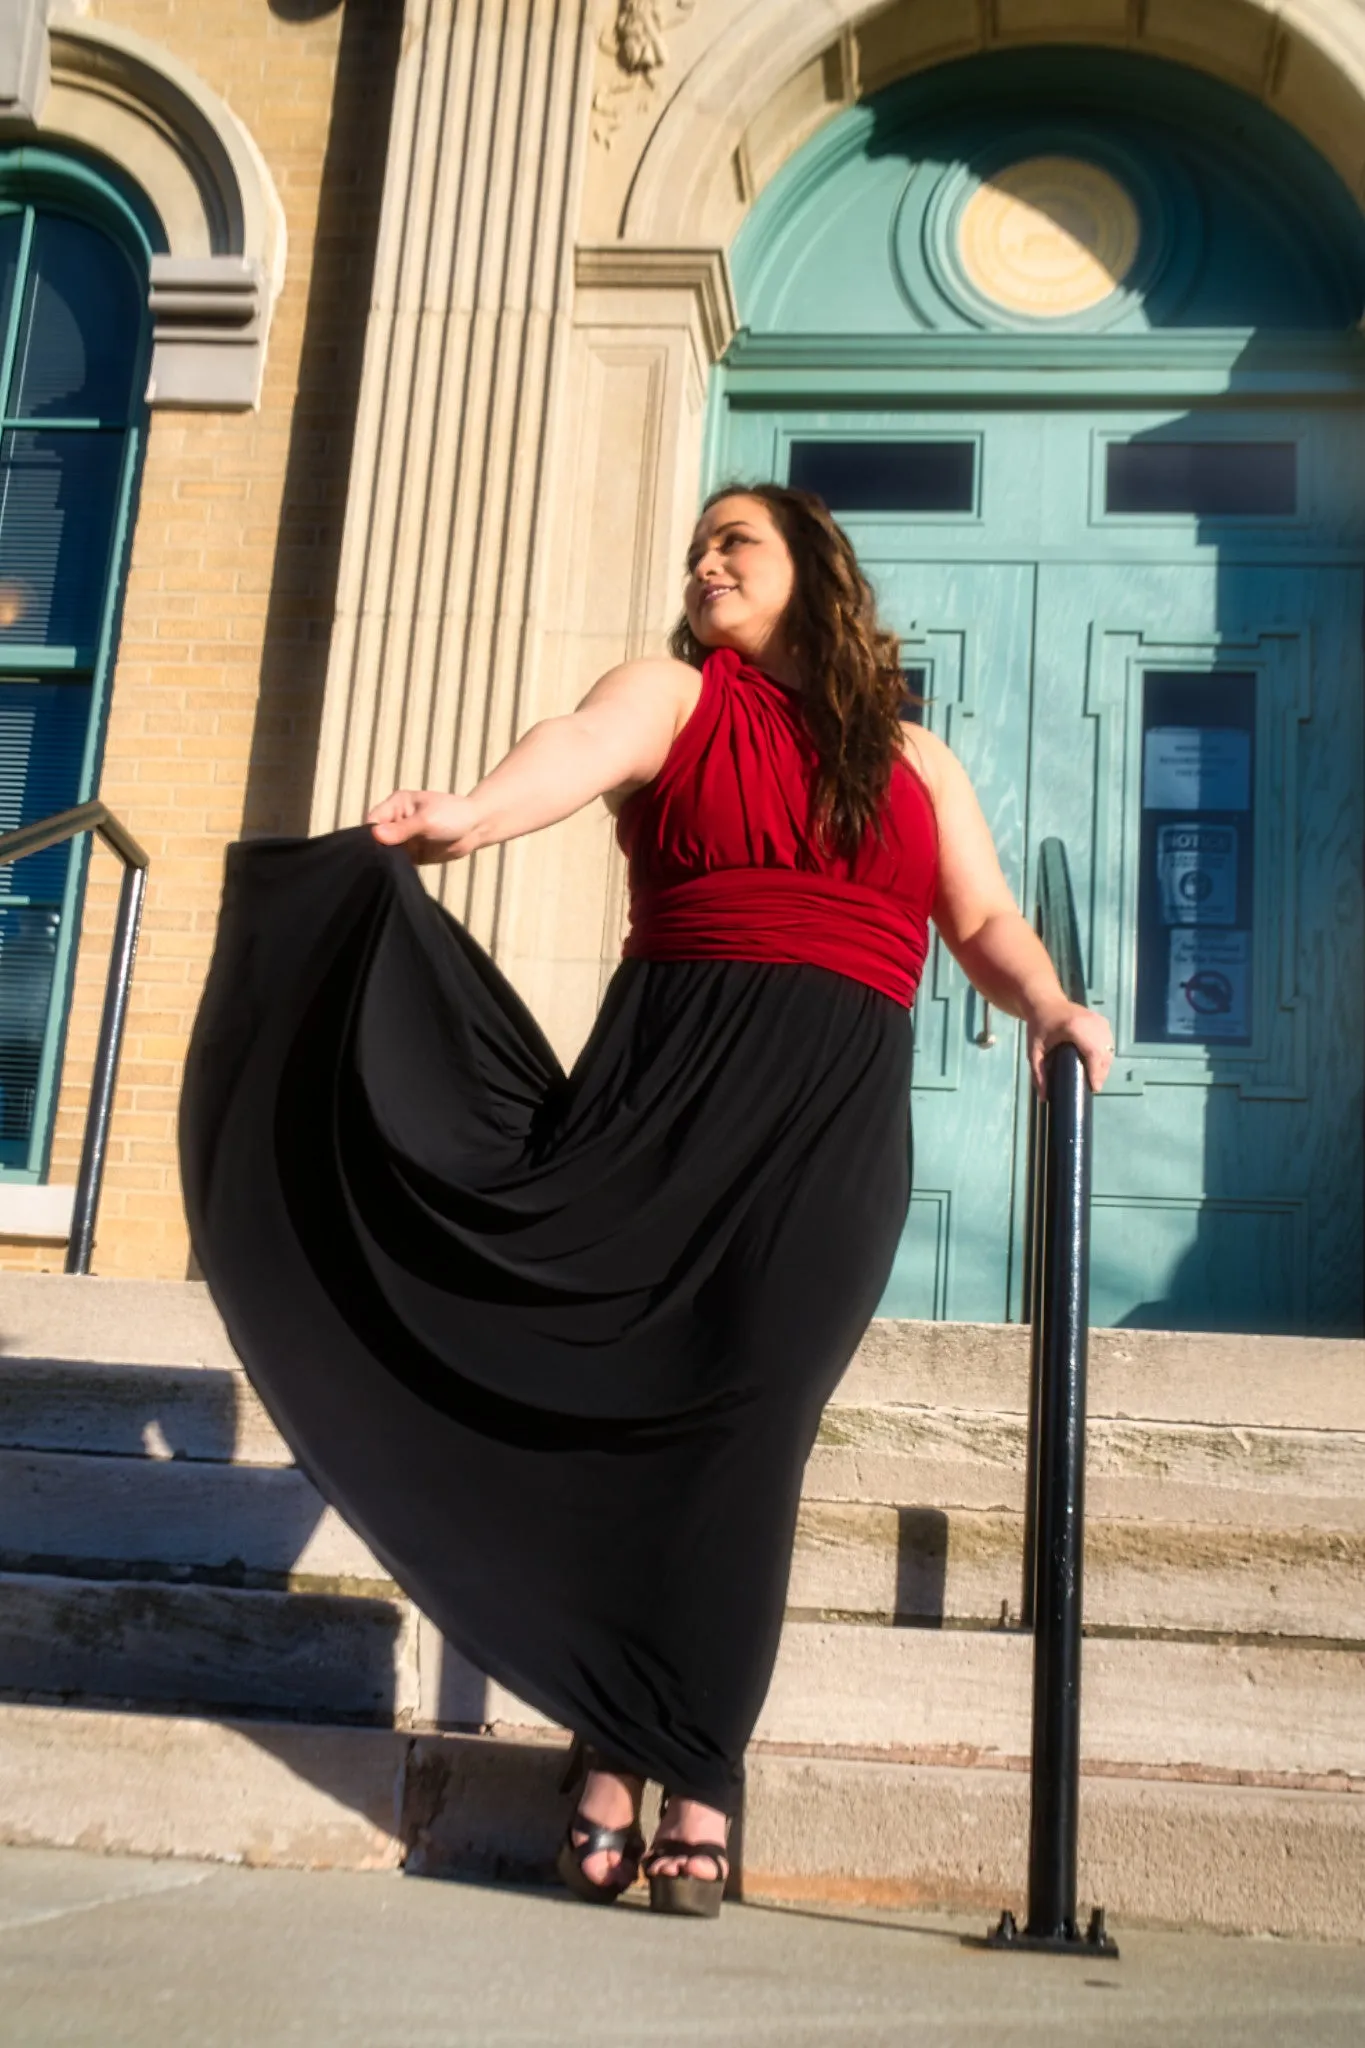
[697,1898]
[628,1843]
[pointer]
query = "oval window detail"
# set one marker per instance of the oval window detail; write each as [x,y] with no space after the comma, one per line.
[1049,237]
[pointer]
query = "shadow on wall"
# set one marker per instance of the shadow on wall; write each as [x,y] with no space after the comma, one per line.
[322,429]
[921,1567]
[310,10]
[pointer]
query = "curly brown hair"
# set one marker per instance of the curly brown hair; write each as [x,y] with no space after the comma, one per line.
[852,689]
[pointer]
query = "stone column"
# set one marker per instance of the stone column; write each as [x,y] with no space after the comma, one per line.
[437,629]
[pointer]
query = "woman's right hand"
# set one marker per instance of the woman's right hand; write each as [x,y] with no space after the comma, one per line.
[429,824]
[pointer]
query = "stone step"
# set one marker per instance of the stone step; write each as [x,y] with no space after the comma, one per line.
[1153,1470]
[313,1654]
[266,1526]
[1153,1375]
[265,1521]
[815,1827]
[1251,1712]
[1173,1376]
[926,1565]
[209,1414]
[894,1453]
[1224,1707]
[1246,1709]
[122,1322]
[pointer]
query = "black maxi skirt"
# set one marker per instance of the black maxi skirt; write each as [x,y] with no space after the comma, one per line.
[556,1345]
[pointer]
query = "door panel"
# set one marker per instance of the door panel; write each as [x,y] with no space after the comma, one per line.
[1214,859]
[970,630]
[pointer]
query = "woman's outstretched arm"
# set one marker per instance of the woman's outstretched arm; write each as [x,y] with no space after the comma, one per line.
[617,740]
[983,928]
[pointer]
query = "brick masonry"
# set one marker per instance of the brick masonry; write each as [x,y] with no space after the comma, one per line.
[230,594]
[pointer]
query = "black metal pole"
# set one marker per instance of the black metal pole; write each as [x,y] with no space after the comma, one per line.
[1036,1219]
[1059,1536]
[1061,1307]
[91,1174]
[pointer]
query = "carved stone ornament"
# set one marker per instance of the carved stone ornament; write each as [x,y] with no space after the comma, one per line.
[637,38]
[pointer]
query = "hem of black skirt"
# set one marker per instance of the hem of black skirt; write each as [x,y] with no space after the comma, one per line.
[724,1799]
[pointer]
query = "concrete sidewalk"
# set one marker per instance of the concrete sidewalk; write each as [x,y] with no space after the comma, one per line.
[113,1950]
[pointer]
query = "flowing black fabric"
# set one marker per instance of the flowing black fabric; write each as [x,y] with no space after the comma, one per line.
[555,1345]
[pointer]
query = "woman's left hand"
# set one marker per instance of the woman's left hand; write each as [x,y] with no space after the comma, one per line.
[1087,1030]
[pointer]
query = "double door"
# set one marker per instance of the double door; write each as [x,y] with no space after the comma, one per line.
[1177,696]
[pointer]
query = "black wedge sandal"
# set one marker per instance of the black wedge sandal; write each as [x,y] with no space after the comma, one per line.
[627,1842]
[697,1898]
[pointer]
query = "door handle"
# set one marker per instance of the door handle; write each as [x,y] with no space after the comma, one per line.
[985,1037]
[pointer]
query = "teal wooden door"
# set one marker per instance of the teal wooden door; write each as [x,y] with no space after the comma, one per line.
[967,646]
[1070,343]
[1197,743]
[1141,633]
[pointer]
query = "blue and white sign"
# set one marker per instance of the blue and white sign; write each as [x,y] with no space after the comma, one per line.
[1206,995]
[1197,869]
[1197,768]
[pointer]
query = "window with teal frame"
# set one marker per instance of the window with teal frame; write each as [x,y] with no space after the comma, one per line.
[74,258]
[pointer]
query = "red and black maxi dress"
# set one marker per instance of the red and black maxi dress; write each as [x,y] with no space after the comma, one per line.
[557,1344]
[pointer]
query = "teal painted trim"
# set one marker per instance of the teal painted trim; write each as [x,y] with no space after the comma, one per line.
[98,191]
[16,304]
[818,369]
[28,661]
[63,977]
[714,435]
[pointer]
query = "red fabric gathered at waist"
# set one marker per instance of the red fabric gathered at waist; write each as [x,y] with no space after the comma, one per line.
[783,916]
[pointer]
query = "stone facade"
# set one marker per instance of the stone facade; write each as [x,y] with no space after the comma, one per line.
[438,524]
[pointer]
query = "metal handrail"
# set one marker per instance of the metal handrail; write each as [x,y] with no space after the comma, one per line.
[1058,1303]
[37,838]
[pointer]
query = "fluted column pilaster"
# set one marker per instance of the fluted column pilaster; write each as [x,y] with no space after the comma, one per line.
[437,630]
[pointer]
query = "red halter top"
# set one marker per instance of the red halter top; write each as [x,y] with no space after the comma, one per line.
[723,859]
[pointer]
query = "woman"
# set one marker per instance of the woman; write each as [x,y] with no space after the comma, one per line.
[558,1345]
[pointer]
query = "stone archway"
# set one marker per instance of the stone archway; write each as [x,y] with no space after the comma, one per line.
[770,78]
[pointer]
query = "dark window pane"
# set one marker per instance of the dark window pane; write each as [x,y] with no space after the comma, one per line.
[912,704]
[1212,479]
[58,494]
[42,740]
[888,476]
[79,328]
[28,959]
[1196,889]
[43,729]
[11,232]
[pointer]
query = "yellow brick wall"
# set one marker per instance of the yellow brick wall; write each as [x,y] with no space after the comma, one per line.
[218,683]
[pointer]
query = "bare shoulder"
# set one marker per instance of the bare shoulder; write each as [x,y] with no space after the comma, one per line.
[657,676]
[640,707]
[934,759]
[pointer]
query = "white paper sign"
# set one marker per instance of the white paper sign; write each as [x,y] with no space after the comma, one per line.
[1197,768]
[1197,870]
[1206,995]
